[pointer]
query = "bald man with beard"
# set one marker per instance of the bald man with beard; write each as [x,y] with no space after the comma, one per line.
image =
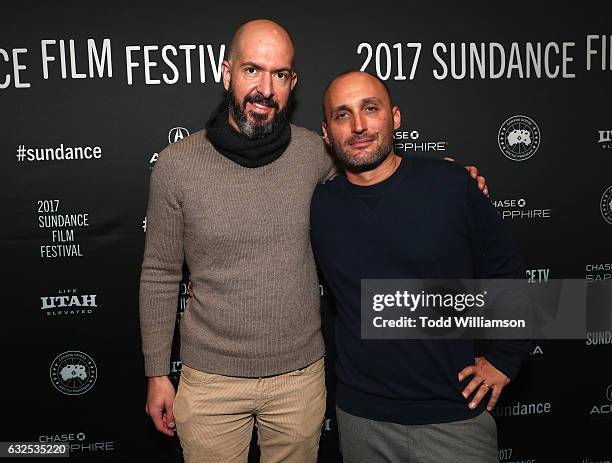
[233,202]
[402,217]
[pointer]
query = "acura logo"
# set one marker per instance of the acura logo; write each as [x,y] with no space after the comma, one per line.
[177,133]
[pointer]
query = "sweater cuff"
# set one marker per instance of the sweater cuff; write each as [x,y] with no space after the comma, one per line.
[157,366]
[508,355]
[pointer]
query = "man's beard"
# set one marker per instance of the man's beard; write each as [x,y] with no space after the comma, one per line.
[362,163]
[259,127]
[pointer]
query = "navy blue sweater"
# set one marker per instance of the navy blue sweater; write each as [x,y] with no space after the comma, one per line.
[428,220]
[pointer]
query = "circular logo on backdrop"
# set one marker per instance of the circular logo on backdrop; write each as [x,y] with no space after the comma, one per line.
[519,138]
[609,393]
[606,205]
[177,133]
[73,372]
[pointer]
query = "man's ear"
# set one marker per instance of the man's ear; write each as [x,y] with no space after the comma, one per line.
[325,137]
[227,73]
[397,117]
[294,79]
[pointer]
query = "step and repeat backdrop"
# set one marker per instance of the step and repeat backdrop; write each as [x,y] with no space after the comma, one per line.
[90,92]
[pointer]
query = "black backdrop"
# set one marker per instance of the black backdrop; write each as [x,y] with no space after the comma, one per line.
[81,308]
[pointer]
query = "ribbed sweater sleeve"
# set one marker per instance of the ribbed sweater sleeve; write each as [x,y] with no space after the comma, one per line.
[327,166]
[162,266]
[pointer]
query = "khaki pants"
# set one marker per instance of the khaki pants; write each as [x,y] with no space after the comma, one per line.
[215,415]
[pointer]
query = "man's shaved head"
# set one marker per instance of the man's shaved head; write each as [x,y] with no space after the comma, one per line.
[258,77]
[348,75]
[359,121]
[259,30]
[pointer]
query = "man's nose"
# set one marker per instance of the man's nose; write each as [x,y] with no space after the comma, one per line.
[265,86]
[359,125]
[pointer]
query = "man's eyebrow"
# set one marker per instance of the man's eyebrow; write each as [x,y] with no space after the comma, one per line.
[250,64]
[283,70]
[341,107]
[371,99]
[362,102]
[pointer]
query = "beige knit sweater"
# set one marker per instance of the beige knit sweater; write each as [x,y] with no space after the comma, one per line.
[244,234]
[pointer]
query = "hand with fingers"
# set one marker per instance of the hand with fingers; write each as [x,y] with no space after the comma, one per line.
[160,403]
[486,378]
[473,171]
[190,291]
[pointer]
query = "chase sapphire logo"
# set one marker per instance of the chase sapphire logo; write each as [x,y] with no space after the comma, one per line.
[73,372]
[519,138]
[606,205]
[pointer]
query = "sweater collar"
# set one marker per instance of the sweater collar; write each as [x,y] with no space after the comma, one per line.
[379,188]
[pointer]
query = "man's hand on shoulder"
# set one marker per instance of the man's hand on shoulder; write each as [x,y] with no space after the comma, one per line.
[160,403]
[473,171]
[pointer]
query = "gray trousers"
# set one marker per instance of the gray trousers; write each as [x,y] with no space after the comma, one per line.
[367,441]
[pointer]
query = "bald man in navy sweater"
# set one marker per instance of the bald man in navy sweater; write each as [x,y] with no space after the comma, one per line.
[388,216]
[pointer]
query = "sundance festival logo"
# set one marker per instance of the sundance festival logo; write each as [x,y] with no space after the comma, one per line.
[519,138]
[177,133]
[73,372]
[606,205]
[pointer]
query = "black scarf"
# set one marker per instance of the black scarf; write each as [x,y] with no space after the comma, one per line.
[242,150]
